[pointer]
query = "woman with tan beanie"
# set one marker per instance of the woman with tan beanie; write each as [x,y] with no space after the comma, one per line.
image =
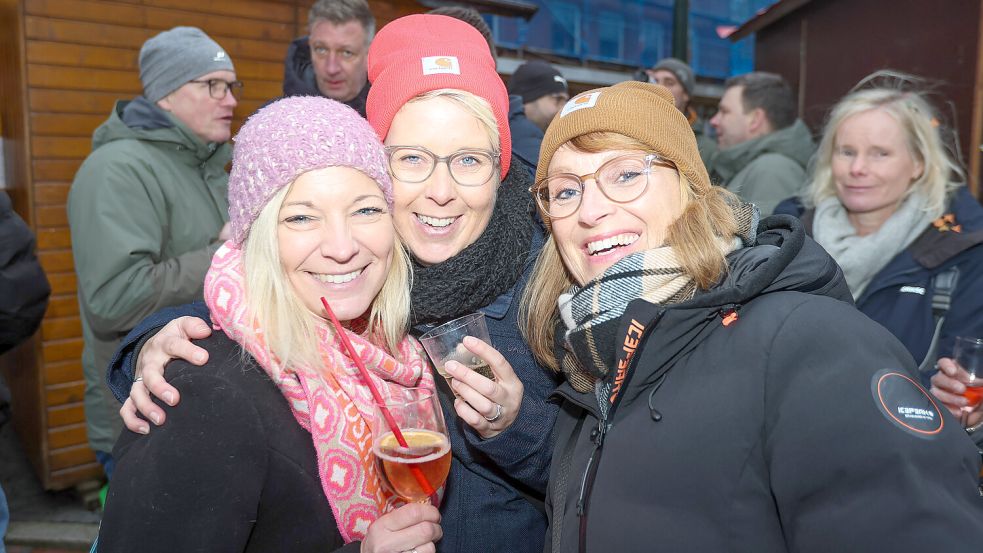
[722,393]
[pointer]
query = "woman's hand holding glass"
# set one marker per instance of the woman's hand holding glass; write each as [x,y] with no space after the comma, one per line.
[412,527]
[172,342]
[488,406]
[957,381]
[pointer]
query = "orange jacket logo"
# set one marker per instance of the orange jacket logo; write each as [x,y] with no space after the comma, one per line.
[632,338]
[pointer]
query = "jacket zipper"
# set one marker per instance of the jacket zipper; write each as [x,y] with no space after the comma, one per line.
[597,437]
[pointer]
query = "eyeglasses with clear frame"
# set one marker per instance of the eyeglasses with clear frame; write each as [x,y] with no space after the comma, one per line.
[622,179]
[218,89]
[469,167]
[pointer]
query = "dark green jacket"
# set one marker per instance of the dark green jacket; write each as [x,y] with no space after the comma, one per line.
[145,210]
[766,170]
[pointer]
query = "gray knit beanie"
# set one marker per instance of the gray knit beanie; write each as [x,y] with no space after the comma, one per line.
[175,57]
[679,68]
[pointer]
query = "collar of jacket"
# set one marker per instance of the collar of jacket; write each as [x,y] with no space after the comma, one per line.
[793,142]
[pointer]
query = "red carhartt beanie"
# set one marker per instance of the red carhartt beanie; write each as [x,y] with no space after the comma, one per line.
[420,53]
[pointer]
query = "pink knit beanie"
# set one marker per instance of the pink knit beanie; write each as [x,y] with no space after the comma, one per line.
[420,53]
[293,136]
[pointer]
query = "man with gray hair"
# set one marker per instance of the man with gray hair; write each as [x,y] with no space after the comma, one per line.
[331,60]
[763,147]
[148,207]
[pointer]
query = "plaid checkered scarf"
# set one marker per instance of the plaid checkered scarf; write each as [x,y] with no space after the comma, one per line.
[593,312]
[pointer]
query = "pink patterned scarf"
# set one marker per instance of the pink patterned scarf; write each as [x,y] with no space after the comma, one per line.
[334,404]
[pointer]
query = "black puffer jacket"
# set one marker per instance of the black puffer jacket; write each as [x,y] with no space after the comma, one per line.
[24,289]
[797,426]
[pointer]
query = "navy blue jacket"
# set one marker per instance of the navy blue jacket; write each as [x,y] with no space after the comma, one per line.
[490,503]
[526,136]
[900,296]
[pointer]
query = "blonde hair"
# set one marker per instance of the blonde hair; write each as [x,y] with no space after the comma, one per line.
[940,175]
[693,236]
[288,326]
[471,103]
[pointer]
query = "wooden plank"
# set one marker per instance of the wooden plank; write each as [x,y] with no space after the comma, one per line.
[53,170]
[53,238]
[66,414]
[161,18]
[50,216]
[72,476]
[70,457]
[99,57]
[248,70]
[56,261]
[267,11]
[62,305]
[61,328]
[100,34]
[65,124]
[66,436]
[61,394]
[93,34]
[61,147]
[126,83]
[63,283]
[73,101]
[263,91]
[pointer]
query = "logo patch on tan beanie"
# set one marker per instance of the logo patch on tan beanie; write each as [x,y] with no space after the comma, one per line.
[583,101]
[433,65]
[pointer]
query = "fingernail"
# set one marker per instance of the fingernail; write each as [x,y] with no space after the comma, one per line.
[156,418]
[144,430]
[169,398]
[451,367]
[199,357]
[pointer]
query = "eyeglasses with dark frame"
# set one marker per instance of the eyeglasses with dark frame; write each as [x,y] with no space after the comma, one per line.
[622,179]
[218,89]
[468,167]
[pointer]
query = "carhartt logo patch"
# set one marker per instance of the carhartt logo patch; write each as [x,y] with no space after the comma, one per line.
[435,65]
[583,101]
[903,402]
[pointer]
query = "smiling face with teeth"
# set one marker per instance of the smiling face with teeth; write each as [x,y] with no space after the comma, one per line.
[601,231]
[437,218]
[335,237]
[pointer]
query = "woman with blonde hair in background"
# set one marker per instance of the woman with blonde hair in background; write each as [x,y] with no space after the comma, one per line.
[889,202]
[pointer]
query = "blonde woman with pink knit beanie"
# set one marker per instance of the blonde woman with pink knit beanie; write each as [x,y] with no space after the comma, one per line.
[271,449]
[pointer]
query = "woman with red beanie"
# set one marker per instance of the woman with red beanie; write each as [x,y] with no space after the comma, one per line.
[464,212]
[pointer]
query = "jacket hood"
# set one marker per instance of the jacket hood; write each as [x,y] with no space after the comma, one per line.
[794,142]
[138,119]
[782,259]
[298,71]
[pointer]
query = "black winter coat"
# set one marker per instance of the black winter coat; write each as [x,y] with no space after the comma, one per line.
[24,289]
[231,471]
[797,427]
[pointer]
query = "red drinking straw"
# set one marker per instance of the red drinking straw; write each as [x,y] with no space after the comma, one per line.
[421,479]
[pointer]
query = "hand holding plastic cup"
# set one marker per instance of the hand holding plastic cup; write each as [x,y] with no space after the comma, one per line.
[445,343]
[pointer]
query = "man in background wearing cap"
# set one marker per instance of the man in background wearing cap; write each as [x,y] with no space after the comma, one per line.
[331,60]
[149,206]
[678,77]
[763,148]
[537,91]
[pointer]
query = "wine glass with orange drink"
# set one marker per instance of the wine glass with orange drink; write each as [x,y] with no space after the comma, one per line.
[968,356]
[415,457]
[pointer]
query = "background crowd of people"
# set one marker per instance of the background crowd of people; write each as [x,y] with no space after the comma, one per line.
[702,333]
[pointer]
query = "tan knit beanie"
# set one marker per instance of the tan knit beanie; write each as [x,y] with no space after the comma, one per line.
[643,111]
